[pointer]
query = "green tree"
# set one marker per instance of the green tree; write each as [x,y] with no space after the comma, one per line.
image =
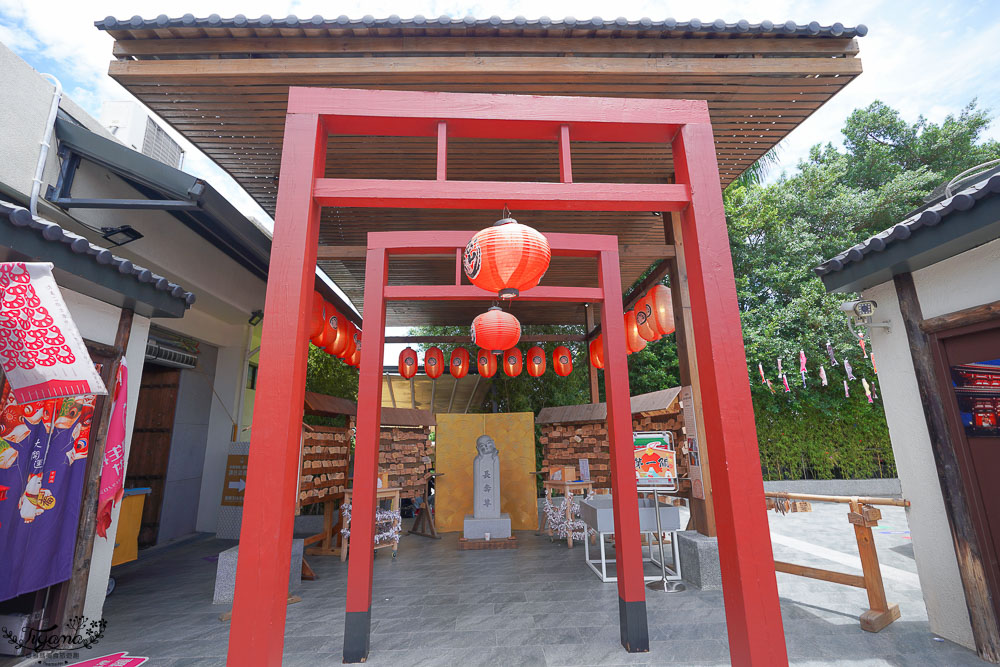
[328,375]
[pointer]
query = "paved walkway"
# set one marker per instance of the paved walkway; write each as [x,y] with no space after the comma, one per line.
[538,605]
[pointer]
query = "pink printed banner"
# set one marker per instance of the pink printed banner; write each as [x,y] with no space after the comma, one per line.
[113,470]
[113,660]
[41,350]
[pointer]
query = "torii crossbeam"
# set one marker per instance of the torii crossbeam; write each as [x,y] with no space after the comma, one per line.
[752,609]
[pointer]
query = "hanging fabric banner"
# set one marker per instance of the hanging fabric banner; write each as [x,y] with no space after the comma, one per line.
[874,367]
[41,350]
[779,366]
[770,386]
[849,370]
[113,470]
[829,350]
[802,367]
[784,378]
[847,391]
[41,486]
[822,375]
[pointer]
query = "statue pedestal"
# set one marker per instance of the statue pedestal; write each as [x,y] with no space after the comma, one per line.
[476,529]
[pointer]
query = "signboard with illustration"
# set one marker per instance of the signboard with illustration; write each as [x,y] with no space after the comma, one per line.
[655,458]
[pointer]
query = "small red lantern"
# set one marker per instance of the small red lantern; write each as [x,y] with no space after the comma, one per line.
[459,364]
[512,362]
[434,362]
[562,361]
[506,258]
[351,343]
[633,341]
[318,316]
[663,309]
[496,330]
[597,352]
[335,332]
[408,363]
[486,361]
[644,319]
[536,362]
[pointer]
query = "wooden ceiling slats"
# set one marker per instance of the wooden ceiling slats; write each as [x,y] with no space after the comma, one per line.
[226,89]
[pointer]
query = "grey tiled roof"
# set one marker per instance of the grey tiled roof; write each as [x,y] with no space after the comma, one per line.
[987,186]
[20,217]
[789,28]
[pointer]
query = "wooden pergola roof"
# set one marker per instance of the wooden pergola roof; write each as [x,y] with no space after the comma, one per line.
[223,83]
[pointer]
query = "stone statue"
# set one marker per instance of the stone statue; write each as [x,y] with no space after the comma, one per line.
[486,516]
[486,476]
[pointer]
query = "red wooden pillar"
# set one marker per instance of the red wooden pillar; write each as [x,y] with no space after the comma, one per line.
[257,633]
[753,614]
[357,623]
[628,548]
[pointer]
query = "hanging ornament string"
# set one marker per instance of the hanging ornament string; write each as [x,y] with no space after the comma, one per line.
[760,367]
[770,386]
[847,391]
[784,378]
[779,366]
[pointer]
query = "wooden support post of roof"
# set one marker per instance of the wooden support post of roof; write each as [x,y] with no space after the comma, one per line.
[392,394]
[595,393]
[971,567]
[451,401]
[472,394]
[702,510]
[413,395]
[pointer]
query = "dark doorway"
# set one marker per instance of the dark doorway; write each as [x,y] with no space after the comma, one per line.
[150,451]
[971,357]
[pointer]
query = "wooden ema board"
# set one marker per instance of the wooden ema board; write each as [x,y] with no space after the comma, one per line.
[514,435]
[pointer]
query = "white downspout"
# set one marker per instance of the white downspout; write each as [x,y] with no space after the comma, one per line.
[36,183]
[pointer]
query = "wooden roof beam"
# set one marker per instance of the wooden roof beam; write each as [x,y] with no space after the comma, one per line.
[651,251]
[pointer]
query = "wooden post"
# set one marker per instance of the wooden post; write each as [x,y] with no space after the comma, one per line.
[358,620]
[702,509]
[595,391]
[978,597]
[879,613]
[257,633]
[753,614]
[83,550]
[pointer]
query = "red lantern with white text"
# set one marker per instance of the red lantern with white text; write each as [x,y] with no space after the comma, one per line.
[512,362]
[496,330]
[459,364]
[536,362]
[335,333]
[633,341]
[663,309]
[434,362]
[562,361]
[506,258]
[486,361]
[318,317]
[408,363]
[355,358]
[325,336]
[351,343]
[597,352]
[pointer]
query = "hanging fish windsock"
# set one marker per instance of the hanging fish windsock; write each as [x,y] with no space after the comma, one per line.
[868,391]
[847,391]
[829,350]
[760,367]
[874,367]
[802,367]
[770,386]
[784,378]
[822,375]
[874,389]
[779,365]
[861,342]
[849,370]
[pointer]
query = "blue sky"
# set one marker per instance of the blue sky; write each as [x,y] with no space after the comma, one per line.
[923,57]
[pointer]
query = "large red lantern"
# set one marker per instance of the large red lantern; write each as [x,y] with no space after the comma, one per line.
[351,343]
[633,341]
[562,361]
[535,361]
[459,364]
[506,258]
[322,339]
[663,309]
[496,330]
[408,363]
[335,333]
[318,317]
[597,352]
[512,362]
[355,358]
[486,361]
[434,362]
[644,319]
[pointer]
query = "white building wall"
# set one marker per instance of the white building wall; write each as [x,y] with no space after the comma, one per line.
[963,281]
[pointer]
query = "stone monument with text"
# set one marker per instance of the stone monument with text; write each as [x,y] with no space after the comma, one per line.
[486,517]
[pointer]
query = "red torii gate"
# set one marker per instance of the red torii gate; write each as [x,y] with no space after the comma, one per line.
[752,610]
